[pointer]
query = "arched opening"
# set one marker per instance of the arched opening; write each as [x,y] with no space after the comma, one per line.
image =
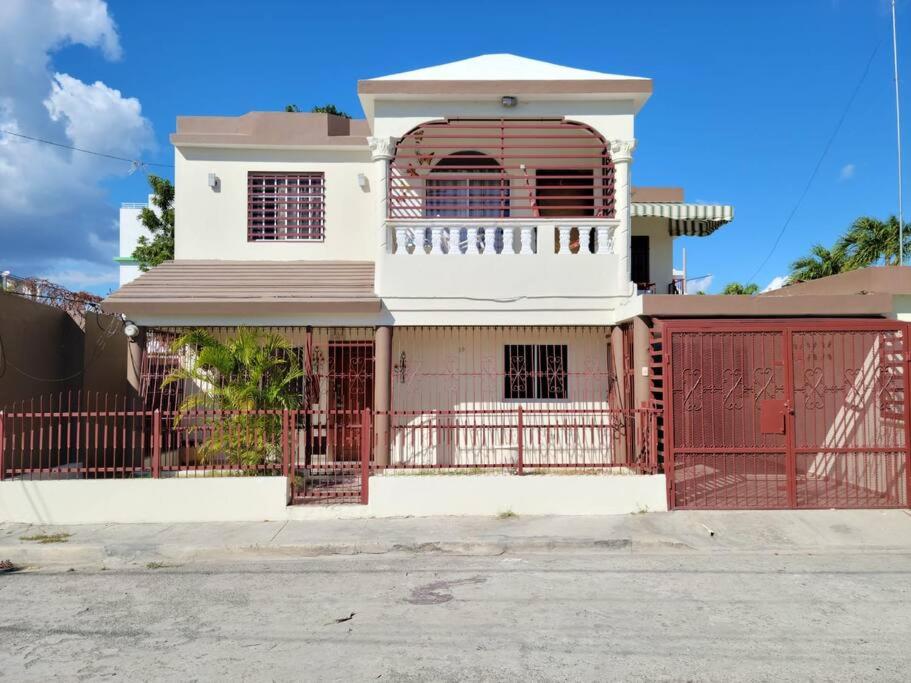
[466,184]
[501,168]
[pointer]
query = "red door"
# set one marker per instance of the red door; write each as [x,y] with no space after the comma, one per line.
[350,392]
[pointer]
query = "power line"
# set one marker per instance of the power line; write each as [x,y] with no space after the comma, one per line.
[137,163]
[822,157]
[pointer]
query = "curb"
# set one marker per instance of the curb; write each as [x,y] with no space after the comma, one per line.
[72,555]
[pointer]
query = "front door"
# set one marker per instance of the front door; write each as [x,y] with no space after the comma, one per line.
[350,393]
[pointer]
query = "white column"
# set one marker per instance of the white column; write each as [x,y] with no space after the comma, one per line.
[401,241]
[508,237]
[382,151]
[604,239]
[436,240]
[525,240]
[622,156]
[564,240]
[472,248]
[490,236]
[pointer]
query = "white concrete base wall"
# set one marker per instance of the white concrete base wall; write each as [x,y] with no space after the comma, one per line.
[216,499]
[546,494]
[243,499]
[487,495]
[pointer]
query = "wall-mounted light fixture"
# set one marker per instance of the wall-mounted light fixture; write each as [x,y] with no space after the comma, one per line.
[509,100]
[362,181]
[131,330]
[213,181]
[401,368]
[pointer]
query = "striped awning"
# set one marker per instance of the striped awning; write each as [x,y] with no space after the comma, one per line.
[693,220]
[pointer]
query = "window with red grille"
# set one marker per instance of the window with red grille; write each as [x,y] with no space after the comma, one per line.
[535,371]
[286,206]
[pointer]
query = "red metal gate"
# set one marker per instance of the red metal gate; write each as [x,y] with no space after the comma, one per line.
[787,414]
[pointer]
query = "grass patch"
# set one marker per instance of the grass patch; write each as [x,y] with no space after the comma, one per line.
[157,565]
[507,514]
[47,538]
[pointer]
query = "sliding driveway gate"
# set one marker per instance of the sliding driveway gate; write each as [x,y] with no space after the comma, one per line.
[786,414]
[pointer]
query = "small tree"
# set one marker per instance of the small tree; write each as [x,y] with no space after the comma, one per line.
[250,377]
[737,288]
[319,109]
[160,248]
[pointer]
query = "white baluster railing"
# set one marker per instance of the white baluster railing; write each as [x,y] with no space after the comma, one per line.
[467,237]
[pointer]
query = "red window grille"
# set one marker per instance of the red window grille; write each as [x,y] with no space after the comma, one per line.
[501,168]
[286,206]
[535,371]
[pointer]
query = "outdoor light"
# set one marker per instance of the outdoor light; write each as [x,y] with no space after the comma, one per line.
[131,329]
[213,181]
[362,181]
[401,367]
[509,100]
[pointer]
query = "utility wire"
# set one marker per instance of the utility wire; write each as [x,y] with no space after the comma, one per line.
[822,157]
[135,162]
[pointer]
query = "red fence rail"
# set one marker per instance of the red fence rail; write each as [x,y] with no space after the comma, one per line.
[93,436]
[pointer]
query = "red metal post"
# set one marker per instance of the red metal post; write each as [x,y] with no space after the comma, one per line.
[156,444]
[790,397]
[365,455]
[905,331]
[520,464]
[286,444]
[2,444]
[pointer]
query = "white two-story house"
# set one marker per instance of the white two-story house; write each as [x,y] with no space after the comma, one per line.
[470,246]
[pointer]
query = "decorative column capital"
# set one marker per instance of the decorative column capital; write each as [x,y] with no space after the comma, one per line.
[381,148]
[622,150]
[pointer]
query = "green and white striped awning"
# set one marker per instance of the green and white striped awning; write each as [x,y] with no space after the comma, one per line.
[693,220]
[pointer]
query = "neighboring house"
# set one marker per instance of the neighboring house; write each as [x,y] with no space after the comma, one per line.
[130,230]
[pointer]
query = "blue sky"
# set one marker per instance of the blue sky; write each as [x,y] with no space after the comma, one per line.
[746,97]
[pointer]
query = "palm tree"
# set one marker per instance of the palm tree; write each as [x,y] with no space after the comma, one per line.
[737,288]
[246,380]
[870,241]
[820,262]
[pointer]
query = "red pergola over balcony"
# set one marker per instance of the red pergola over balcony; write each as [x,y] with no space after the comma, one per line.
[501,169]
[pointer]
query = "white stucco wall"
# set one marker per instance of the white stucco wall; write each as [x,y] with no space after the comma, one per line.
[212,224]
[661,250]
[902,306]
[130,228]
[98,501]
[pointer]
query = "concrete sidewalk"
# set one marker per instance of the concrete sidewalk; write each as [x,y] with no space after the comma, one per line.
[671,532]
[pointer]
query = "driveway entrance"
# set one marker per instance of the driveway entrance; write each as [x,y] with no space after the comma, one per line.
[767,414]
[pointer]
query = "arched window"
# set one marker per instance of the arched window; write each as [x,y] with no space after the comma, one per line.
[460,186]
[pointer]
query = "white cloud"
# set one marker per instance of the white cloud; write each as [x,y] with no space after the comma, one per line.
[847,172]
[53,209]
[699,284]
[777,283]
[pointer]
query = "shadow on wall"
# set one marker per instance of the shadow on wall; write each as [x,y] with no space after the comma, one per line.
[43,352]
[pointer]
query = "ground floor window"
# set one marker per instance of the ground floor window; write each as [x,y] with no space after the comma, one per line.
[535,371]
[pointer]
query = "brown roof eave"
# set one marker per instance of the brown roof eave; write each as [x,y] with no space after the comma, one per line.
[235,308]
[720,305]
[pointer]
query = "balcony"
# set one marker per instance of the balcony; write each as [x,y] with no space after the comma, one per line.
[540,192]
